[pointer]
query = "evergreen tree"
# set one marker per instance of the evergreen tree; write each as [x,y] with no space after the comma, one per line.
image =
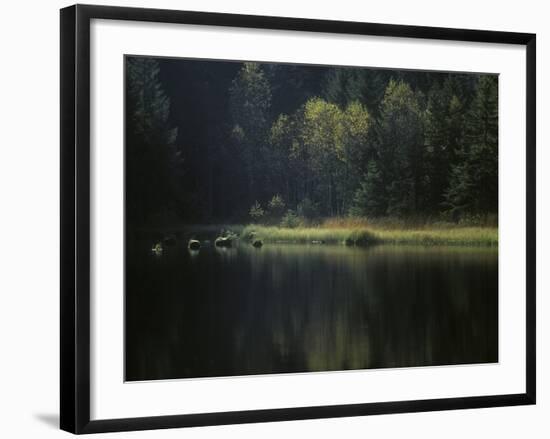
[400,148]
[250,102]
[289,160]
[357,148]
[345,85]
[336,84]
[370,198]
[152,158]
[444,135]
[474,179]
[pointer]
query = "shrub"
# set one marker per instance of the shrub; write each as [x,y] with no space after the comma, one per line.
[291,220]
[256,212]
[276,207]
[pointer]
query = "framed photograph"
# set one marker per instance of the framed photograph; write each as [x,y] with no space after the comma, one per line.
[268,218]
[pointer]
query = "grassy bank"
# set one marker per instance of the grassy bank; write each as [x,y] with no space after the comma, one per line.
[345,230]
[332,232]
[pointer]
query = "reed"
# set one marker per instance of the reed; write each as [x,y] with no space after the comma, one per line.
[362,232]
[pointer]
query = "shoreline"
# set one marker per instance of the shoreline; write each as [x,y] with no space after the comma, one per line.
[362,236]
[355,235]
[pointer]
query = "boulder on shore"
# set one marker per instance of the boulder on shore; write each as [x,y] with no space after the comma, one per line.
[194,244]
[257,243]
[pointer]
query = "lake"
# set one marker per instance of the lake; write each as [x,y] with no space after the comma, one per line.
[287,308]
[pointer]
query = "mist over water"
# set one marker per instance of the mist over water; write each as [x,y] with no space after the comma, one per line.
[287,308]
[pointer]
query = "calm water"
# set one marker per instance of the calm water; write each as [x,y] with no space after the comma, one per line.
[295,308]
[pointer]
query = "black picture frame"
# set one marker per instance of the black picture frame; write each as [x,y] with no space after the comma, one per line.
[75,217]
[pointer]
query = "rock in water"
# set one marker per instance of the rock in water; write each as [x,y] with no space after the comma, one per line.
[257,243]
[223,241]
[157,249]
[194,244]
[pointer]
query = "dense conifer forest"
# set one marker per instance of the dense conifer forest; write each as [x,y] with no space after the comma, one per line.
[233,142]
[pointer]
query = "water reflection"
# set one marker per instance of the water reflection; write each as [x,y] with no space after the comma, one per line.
[294,308]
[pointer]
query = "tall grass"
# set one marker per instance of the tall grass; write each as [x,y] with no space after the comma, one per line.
[412,222]
[354,231]
[480,231]
[307,235]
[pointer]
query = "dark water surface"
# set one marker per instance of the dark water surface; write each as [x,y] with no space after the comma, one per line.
[300,308]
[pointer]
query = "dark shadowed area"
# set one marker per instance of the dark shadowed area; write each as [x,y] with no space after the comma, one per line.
[298,308]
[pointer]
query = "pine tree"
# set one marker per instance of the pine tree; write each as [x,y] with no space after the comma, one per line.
[370,198]
[344,86]
[401,148]
[150,142]
[444,135]
[250,102]
[474,183]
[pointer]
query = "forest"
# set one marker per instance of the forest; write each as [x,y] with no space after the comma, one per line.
[223,142]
